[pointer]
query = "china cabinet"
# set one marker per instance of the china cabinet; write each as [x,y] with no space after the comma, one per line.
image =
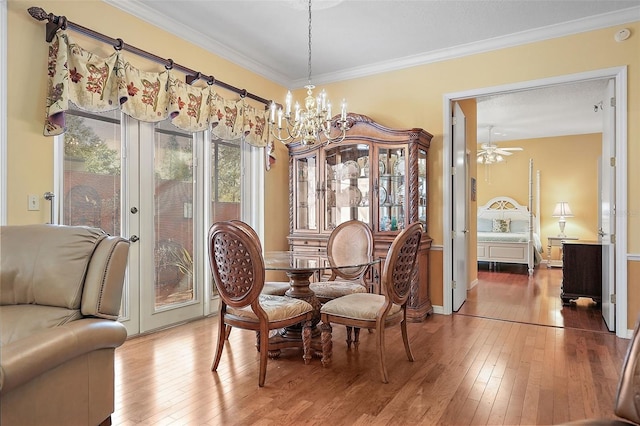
[377,175]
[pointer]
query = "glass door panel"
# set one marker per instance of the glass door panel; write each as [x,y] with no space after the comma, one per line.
[392,189]
[173,216]
[92,166]
[225,180]
[347,185]
[306,173]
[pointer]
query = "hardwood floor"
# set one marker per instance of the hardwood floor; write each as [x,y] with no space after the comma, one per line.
[510,294]
[467,370]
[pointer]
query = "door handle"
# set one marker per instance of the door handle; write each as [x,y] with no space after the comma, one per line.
[134,238]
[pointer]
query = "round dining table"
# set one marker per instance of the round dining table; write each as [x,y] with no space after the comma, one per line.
[300,267]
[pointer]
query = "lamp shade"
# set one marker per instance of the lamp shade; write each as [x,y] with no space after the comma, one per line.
[562,209]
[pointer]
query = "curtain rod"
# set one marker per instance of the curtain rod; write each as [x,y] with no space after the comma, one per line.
[54,23]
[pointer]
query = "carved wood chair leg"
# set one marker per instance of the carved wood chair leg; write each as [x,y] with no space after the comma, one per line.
[405,338]
[306,342]
[327,345]
[381,357]
[264,351]
[356,341]
[222,333]
[349,340]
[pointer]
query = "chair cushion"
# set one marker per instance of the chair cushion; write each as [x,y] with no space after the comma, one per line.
[334,289]
[277,308]
[359,306]
[275,288]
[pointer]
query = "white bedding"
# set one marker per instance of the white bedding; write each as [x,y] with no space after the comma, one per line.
[510,237]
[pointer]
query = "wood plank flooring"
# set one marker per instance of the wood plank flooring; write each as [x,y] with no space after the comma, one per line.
[468,370]
[510,294]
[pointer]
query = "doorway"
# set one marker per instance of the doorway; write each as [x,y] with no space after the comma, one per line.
[619,75]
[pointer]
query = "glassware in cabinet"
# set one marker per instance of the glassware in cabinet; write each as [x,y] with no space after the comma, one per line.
[306,175]
[347,184]
[422,187]
[391,188]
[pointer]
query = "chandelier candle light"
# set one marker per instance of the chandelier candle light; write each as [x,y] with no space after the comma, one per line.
[314,121]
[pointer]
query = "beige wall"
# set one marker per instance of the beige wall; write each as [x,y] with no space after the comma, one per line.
[403,99]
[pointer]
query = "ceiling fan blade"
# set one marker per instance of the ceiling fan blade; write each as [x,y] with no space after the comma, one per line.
[512,149]
[502,152]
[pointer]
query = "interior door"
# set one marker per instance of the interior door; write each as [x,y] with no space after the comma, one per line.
[607,206]
[460,221]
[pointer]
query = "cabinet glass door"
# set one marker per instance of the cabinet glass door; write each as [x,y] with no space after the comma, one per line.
[422,187]
[347,184]
[392,189]
[306,174]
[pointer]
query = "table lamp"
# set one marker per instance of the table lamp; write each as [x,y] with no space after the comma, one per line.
[562,210]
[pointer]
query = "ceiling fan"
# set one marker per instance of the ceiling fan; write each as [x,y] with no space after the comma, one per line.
[491,153]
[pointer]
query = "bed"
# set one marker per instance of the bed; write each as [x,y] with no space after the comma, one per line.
[509,232]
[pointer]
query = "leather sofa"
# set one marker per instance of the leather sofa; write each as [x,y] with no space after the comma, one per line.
[60,292]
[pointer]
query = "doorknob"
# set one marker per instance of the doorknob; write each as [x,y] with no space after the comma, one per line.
[601,232]
[134,238]
[134,210]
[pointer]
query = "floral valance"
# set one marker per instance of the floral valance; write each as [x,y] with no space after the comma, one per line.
[99,84]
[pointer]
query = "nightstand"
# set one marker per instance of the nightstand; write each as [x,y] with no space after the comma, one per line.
[556,242]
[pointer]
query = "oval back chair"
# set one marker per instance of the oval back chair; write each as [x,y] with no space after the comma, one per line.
[375,311]
[238,272]
[348,241]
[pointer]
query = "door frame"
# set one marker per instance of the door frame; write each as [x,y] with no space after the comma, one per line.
[3,112]
[619,74]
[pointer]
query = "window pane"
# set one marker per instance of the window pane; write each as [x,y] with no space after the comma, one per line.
[225,180]
[92,165]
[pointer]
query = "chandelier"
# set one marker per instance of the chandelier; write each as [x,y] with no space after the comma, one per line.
[312,122]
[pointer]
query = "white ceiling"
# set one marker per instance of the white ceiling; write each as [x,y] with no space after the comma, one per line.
[353,38]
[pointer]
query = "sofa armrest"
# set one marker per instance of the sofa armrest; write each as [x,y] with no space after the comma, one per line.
[103,284]
[30,357]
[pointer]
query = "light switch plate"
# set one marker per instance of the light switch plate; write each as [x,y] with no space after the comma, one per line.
[33,203]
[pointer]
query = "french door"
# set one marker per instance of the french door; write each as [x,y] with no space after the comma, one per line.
[149,182]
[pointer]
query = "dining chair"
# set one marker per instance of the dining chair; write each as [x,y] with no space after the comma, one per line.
[377,311]
[349,241]
[277,288]
[238,272]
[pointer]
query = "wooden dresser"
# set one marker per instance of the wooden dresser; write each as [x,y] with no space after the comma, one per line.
[581,271]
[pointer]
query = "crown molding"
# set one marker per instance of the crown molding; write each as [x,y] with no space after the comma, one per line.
[540,34]
[577,26]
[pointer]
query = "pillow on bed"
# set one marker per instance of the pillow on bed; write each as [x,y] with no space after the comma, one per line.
[519,226]
[485,225]
[501,225]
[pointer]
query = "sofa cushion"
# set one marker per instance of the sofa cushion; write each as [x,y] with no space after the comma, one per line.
[20,321]
[45,264]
